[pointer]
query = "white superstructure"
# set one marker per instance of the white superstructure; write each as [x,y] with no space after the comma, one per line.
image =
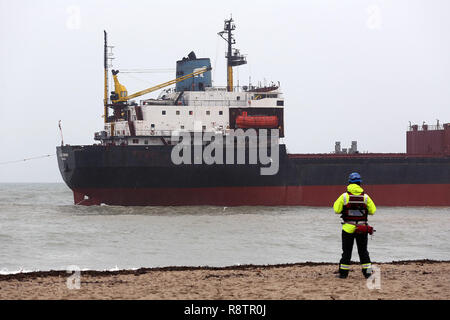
[152,121]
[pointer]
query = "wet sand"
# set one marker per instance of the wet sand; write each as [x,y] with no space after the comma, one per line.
[420,279]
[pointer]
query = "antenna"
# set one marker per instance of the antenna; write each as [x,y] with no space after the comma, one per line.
[234,58]
[107,62]
[105,66]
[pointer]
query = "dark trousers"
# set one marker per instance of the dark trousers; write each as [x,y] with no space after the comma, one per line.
[347,247]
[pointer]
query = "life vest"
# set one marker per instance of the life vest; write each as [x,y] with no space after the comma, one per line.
[355,210]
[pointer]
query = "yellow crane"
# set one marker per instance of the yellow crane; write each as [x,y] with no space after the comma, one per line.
[121,94]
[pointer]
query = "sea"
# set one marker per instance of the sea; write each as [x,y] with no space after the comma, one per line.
[41,229]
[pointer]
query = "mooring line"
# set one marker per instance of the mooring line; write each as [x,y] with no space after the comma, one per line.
[27,159]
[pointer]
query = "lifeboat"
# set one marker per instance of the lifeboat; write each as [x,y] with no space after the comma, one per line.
[246,121]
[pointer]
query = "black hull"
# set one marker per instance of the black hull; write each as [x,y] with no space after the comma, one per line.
[141,175]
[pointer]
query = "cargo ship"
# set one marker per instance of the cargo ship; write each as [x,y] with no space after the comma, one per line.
[170,150]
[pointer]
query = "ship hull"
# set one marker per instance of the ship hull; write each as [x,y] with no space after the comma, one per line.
[383,195]
[146,176]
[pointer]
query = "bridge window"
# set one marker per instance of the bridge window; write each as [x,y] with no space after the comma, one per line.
[191,113]
[178,112]
[164,112]
[136,141]
[207,113]
[220,113]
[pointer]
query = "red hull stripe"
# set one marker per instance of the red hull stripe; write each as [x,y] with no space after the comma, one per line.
[383,195]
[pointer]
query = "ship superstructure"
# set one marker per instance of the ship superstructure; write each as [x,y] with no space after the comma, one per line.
[194,105]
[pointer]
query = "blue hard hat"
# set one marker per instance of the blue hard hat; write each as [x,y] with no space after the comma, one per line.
[354,177]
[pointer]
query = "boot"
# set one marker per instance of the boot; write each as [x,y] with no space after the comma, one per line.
[367,272]
[343,274]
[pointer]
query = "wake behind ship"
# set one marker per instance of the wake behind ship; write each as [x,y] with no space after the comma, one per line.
[197,144]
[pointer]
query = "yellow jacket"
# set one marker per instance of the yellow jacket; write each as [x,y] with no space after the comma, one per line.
[343,200]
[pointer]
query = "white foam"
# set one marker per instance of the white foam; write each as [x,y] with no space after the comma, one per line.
[5,271]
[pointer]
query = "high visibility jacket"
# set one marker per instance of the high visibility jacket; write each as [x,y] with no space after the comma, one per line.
[342,202]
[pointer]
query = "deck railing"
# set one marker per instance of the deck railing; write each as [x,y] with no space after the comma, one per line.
[428,127]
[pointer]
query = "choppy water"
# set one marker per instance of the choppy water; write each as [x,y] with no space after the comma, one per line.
[41,229]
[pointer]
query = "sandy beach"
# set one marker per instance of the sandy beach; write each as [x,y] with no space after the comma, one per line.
[421,279]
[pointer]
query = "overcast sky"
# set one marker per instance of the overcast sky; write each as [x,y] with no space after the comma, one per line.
[349,69]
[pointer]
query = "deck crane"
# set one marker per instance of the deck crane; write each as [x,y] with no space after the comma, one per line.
[119,98]
[120,95]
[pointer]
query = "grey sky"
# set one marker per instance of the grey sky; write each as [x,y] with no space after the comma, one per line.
[349,69]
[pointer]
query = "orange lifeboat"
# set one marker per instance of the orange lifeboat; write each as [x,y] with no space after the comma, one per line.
[246,121]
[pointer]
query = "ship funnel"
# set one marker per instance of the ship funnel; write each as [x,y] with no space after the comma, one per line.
[189,65]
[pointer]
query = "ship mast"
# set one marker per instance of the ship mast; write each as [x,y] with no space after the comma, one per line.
[105,61]
[234,58]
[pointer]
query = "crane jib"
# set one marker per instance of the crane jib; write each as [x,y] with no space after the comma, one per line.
[165,84]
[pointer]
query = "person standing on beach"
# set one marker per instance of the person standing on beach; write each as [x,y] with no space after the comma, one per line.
[354,207]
